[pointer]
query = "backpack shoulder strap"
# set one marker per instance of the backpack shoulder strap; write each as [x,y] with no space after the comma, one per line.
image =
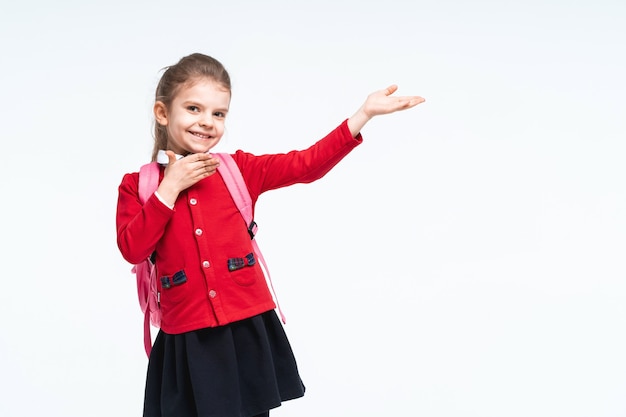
[236,185]
[148,180]
[148,183]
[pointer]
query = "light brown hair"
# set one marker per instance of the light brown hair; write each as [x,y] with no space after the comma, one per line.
[186,71]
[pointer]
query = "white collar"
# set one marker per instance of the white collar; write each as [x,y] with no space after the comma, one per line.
[163,159]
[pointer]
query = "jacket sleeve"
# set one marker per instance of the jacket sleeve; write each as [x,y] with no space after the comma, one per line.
[268,172]
[139,227]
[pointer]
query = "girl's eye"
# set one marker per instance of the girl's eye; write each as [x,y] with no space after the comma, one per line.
[220,114]
[193,108]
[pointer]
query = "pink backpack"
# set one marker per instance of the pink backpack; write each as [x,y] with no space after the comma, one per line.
[146,271]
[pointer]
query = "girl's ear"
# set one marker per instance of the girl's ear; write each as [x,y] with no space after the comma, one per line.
[160,113]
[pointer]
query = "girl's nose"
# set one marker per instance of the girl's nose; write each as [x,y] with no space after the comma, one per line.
[206,121]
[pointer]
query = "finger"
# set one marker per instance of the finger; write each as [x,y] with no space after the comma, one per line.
[200,157]
[391,89]
[214,163]
[207,171]
[206,168]
[171,156]
[408,102]
[414,101]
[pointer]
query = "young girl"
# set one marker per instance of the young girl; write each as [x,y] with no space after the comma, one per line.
[221,350]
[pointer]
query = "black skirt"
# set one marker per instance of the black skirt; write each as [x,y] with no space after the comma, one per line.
[239,370]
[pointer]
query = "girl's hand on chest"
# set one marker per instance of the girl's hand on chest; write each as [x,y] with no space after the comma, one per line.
[183,173]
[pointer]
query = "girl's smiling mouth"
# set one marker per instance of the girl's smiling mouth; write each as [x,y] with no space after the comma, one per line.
[201,135]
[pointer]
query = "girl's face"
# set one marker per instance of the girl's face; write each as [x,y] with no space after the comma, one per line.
[195,119]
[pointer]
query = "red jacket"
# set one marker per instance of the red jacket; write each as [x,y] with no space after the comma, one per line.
[205,229]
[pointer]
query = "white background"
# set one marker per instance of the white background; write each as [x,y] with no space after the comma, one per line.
[466,260]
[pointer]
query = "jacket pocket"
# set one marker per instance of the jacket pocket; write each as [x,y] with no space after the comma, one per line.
[244,277]
[243,270]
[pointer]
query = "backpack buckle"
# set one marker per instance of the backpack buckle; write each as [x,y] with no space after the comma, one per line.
[252,229]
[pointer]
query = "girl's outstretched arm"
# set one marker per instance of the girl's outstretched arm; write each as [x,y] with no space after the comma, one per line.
[381,102]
